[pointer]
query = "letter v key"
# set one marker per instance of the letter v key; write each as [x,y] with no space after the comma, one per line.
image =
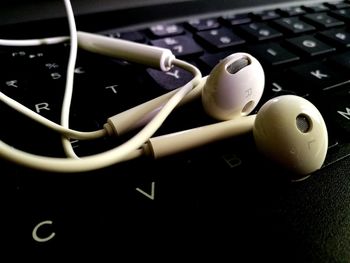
[151,195]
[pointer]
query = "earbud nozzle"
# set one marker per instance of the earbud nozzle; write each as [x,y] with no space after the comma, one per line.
[248,107]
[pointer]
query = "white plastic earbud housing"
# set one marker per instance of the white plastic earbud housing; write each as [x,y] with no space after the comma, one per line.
[233,89]
[291,131]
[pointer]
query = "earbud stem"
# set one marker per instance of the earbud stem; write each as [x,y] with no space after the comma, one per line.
[140,115]
[164,145]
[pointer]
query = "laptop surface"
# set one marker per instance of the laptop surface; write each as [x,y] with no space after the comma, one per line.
[223,200]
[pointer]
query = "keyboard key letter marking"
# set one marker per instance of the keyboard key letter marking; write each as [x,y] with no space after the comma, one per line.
[318,74]
[151,195]
[345,114]
[36,228]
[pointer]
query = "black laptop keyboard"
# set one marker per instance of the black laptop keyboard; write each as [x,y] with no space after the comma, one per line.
[305,50]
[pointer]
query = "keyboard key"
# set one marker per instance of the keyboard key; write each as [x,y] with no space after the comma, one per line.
[316,8]
[336,107]
[341,60]
[339,37]
[237,19]
[210,60]
[293,25]
[292,11]
[276,88]
[273,54]
[342,14]
[220,38]
[203,24]
[134,36]
[266,15]
[341,103]
[162,30]
[14,86]
[309,45]
[260,31]
[180,45]
[338,5]
[172,79]
[323,20]
[317,76]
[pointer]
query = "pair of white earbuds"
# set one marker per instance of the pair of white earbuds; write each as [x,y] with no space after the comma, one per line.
[288,129]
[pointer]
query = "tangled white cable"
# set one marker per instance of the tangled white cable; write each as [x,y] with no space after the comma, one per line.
[287,129]
[153,56]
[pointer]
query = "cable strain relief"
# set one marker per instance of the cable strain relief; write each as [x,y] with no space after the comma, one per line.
[109,129]
[148,150]
[166,62]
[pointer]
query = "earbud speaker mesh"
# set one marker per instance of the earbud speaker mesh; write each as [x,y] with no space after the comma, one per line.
[303,123]
[237,65]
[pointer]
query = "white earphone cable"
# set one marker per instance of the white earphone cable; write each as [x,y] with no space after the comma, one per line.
[68,92]
[128,150]
[79,135]
[123,152]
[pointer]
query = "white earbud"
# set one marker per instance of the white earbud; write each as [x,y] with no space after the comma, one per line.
[232,89]
[291,131]
[287,129]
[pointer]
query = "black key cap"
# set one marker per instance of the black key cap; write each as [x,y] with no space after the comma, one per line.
[45,102]
[338,37]
[318,76]
[14,86]
[293,25]
[260,31]
[20,59]
[292,11]
[342,14]
[183,45]
[341,102]
[105,83]
[276,88]
[162,30]
[338,5]
[131,36]
[316,8]
[237,19]
[266,15]
[341,60]
[203,24]
[309,45]
[210,60]
[336,108]
[172,79]
[323,20]
[273,54]
[220,38]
